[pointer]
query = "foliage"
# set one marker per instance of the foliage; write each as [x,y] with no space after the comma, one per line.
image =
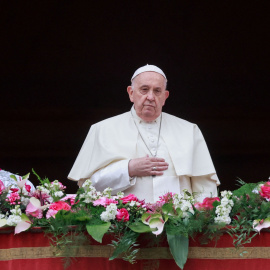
[72,221]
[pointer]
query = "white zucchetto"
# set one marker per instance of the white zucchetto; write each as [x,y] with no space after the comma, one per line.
[148,68]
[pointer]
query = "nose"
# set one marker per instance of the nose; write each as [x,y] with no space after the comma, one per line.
[150,96]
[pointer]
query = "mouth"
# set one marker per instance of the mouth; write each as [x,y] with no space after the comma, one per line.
[149,105]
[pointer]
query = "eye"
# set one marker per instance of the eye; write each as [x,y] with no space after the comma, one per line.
[157,92]
[144,90]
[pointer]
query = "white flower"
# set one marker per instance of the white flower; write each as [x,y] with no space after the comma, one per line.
[59,194]
[13,220]
[110,213]
[223,210]
[132,203]
[107,192]
[43,189]
[24,200]
[120,194]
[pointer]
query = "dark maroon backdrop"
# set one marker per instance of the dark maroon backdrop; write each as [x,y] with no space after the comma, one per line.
[66,64]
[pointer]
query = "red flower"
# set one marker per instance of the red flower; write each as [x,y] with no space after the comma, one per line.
[122,214]
[129,198]
[27,187]
[207,203]
[2,186]
[265,190]
[60,205]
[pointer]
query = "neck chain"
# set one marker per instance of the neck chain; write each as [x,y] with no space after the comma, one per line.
[155,154]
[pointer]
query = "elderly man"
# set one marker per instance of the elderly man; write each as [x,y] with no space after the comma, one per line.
[145,151]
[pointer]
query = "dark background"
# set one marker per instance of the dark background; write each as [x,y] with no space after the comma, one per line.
[66,65]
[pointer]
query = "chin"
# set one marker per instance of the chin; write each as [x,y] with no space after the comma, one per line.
[149,116]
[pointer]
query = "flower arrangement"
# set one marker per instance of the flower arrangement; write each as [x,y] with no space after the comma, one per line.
[177,216]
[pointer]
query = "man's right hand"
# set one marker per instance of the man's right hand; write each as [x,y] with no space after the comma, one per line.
[147,166]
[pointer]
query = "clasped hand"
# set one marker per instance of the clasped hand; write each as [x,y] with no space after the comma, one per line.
[147,166]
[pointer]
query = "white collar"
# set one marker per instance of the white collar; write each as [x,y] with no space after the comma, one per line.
[140,120]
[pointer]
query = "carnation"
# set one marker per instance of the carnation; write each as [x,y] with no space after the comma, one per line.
[57,206]
[129,198]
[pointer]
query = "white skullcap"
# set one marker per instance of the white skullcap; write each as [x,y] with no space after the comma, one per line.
[148,68]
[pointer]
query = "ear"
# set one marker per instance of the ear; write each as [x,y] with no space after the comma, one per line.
[167,93]
[130,93]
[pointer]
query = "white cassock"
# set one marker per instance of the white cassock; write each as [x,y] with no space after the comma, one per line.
[111,143]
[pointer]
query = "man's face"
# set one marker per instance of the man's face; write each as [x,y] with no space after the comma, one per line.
[148,93]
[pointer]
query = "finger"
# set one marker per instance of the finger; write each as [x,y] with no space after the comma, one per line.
[157,173]
[162,168]
[156,159]
[159,164]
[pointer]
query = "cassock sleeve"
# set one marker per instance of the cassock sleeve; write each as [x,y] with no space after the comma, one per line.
[115,176]
[204,185]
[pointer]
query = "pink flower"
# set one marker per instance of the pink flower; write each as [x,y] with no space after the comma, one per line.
[13,198]
[51,213]
[265,190]
[14,190]
[166,198]
[27,187]
[70,197]
[122,214]
[207,203]
[2,186]
[60,205]
[33,211]
[57,206]
[129,198]
[104,201]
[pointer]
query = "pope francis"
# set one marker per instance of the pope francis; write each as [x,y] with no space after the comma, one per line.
[145,151]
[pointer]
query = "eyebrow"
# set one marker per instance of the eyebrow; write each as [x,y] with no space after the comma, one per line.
[144,85]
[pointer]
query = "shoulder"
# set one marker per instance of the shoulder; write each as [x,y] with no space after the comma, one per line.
[178,121]
[115,120]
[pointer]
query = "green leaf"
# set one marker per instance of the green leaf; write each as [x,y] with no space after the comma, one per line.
[26,176]
[97,231]
[139,227]
[168,209]
[124,243]
[13,177]
[179,248]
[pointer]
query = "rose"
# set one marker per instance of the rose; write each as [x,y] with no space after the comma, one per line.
[265,190]
[207,203]
[129,198]
[122,214]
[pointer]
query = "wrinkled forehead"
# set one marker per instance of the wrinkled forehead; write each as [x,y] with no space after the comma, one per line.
[150,78]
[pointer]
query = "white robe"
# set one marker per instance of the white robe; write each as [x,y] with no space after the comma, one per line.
[115,139]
